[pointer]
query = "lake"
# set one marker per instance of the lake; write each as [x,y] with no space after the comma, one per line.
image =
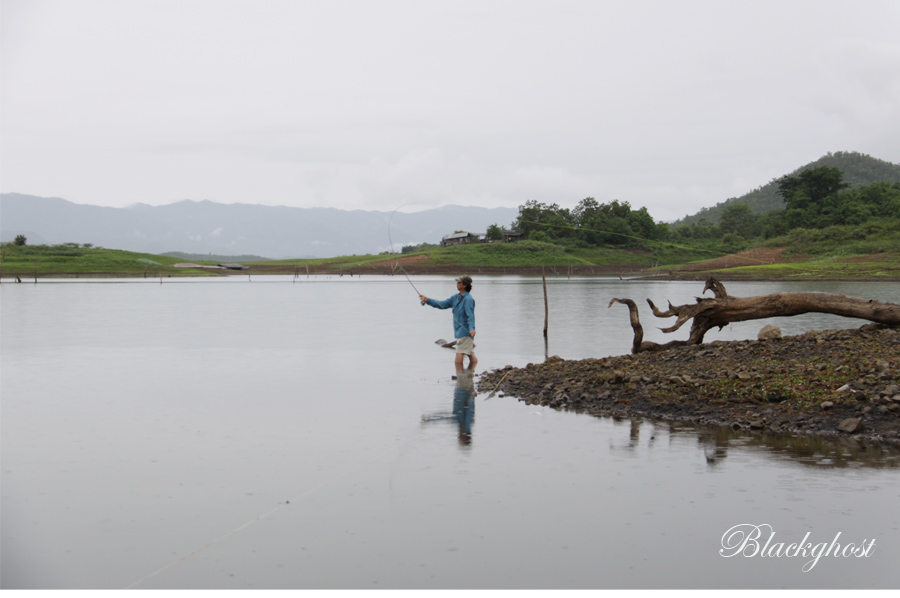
[281,432]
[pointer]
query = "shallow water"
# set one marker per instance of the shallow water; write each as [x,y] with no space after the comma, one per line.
[281,433]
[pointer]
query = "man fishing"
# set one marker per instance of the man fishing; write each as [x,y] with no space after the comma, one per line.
[463,305]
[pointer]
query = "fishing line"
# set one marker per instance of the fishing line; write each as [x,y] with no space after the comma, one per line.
[493,392]
[391,241]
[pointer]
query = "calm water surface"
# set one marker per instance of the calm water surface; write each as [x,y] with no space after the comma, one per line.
[309,434]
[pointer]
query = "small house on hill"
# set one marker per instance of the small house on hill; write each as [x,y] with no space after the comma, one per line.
[458,239]
[464,238]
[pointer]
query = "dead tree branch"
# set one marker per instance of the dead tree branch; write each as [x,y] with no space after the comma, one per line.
[722,310]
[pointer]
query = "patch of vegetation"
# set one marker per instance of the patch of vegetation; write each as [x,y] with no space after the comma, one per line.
[842,241]
[194,257]
[519,254]
[523,253]
[72,259]
[864,270]
[346,262]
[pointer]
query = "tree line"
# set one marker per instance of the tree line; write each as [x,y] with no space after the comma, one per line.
[814,199]
[589,223]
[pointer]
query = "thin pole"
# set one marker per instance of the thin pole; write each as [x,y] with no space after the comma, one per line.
[546,305]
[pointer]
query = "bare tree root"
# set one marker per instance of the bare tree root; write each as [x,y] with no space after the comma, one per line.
[718,312]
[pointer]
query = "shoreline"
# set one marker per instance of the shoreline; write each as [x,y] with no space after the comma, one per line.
[838,384]
[756,264]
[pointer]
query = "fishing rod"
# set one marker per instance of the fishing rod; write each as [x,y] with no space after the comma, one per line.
[391,241]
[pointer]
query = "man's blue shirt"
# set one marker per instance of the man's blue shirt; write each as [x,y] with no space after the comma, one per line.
[463,306]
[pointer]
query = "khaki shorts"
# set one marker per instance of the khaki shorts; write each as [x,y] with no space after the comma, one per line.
[465,345]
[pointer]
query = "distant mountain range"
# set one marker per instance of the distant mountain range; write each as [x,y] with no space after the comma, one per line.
[209,228]
[214,229]
[859,170]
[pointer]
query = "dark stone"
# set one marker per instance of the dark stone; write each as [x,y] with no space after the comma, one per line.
[850,425]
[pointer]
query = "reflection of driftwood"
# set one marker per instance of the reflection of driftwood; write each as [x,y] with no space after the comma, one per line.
[722,310]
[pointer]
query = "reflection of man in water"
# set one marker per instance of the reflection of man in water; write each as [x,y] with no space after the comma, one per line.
[463,306]
[463,414]
[464,403]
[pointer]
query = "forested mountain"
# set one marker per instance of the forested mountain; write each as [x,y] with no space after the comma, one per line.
[858,170]
[814,199]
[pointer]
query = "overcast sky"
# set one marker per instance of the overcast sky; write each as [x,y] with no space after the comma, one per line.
[672,105]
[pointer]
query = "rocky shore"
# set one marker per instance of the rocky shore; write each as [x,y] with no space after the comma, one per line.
[827,383]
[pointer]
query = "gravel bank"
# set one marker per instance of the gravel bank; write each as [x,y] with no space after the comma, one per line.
[823,383]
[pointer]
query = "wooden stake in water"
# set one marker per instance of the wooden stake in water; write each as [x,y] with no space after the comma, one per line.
[546,306]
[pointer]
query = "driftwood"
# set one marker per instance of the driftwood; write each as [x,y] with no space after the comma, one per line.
[722,310]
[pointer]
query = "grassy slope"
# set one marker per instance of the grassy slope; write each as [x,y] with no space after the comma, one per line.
[62,261]
[870,268]
[523,254]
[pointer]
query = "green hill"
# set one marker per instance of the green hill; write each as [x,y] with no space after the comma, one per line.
[858,169]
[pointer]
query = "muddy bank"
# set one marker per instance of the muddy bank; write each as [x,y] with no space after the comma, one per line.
[828,383]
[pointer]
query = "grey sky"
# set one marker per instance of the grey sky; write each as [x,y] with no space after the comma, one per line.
[353,104]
